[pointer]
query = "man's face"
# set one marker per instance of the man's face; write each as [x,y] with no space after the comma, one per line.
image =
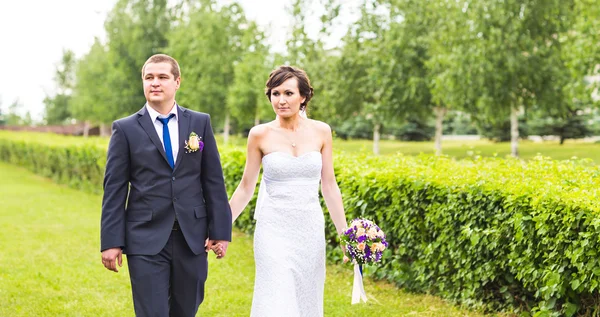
[159,83]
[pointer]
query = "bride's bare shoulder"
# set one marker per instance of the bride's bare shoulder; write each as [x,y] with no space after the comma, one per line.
[261,130]
[321,126]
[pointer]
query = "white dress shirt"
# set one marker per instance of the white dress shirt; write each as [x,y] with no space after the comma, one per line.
[173,128]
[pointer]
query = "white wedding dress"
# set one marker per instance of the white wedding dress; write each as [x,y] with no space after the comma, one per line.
[289,239]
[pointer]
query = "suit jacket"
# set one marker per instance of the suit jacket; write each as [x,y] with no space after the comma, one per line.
[143,195]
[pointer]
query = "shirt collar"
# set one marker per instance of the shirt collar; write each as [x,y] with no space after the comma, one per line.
[154,114]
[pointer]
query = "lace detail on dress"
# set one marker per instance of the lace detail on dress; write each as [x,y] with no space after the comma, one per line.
[289,240]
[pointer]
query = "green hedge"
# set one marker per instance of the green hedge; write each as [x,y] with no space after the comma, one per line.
[502,234]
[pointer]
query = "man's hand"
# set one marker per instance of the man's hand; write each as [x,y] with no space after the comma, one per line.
[110,257]
[218,246]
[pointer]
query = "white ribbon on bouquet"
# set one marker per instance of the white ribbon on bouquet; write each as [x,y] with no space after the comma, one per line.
[358,289]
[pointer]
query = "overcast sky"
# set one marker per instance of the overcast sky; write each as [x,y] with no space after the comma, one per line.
[34,33]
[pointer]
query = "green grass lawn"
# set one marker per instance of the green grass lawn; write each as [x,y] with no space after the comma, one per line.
[463,149]
[458,149]
[50,264]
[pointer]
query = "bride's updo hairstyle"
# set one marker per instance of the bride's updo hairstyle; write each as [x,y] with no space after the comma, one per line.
[283,73]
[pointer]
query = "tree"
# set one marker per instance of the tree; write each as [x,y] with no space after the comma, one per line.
[207,42]
[512,57]
[90,102]
[314,54]
[246,99]
[580,60]
[382,64]
[57,107]
[573,125]
[13,116]
[447,41]
[136,30]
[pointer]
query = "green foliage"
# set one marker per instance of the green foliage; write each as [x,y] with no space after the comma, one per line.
[498,130]
[136,29]
[109,84]
[501,234]
[50,220]
[246,98]
[378,65]
[414,129]
[78,165]
[401,59]
[573,125]
[91,98]
[459,123]
[494,231]
[356,127]
[207,42]
[14,116]
[58,108]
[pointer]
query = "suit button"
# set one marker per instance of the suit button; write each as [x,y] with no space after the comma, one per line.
[173,178]
[174,199]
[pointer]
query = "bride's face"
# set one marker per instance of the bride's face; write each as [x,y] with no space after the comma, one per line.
[286,98]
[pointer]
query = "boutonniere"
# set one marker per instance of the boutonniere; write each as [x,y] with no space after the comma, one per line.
[194,143]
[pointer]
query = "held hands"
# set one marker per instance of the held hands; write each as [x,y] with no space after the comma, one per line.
[110,257]
[219,247]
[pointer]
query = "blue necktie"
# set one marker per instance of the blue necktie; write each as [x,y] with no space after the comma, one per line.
[167,139]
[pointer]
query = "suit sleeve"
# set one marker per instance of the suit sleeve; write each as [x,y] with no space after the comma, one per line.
[213,187]
[116,187]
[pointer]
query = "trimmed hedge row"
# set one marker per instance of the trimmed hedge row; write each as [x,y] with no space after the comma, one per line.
[502,234]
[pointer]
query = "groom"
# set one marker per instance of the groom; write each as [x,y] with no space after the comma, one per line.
[164,201]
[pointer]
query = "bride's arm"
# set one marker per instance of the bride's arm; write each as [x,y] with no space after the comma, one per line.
[329,186]
[243,193]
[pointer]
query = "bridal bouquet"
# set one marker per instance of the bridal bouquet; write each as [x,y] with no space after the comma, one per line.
[365,241]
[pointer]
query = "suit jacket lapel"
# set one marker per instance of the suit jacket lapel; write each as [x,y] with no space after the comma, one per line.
[146,123]
[184,132]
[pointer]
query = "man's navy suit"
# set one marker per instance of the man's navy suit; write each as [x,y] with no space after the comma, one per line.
[144,196]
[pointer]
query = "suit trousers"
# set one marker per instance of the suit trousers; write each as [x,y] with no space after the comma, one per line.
[170,283]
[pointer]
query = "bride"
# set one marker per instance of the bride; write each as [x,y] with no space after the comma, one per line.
[289,238]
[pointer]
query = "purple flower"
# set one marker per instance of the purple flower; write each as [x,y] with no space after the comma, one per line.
[351,239]
[200,146]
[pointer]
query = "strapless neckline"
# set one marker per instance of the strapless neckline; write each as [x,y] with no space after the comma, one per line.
[291,155]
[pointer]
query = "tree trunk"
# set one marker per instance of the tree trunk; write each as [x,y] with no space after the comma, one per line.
[226,129]
[86,128]
[562,139]
[256,119]
[440,113]
[104,130]
[376,137]
[514,132]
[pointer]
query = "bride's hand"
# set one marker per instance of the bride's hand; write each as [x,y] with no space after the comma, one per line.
[345,259]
